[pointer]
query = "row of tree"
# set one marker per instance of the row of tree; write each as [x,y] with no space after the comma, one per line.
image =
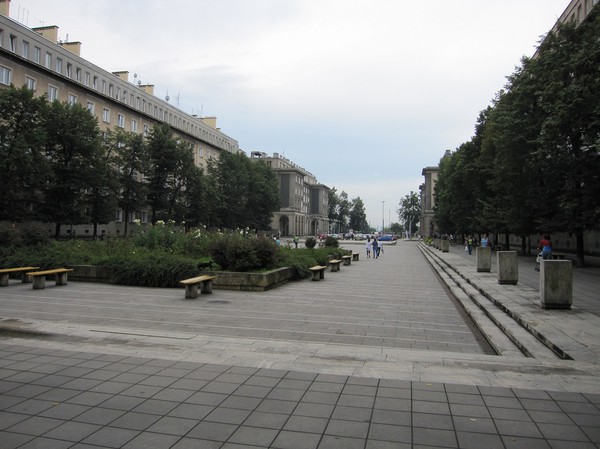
[345,214]
[533,165]
[57,166]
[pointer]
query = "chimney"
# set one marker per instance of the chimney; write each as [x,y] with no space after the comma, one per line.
[49,32]
[73,47]
[5,8]
[124,75]
[148,88]
[210,121]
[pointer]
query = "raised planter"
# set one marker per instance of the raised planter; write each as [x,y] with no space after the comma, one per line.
[225,279]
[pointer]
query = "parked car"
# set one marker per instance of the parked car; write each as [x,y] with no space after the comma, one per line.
[387,238]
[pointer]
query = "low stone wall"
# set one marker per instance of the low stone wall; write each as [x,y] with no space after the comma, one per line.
[225,280]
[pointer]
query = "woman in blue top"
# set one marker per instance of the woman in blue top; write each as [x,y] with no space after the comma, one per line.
[546,247]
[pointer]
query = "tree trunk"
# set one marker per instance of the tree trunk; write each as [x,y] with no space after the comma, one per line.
[57,230]
[523,245]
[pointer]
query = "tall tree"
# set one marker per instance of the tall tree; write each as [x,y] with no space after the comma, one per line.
[131,164]
[410,211]
[24,167]
[72,147]
[358,217]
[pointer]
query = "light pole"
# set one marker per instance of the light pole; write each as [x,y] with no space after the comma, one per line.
[383,216]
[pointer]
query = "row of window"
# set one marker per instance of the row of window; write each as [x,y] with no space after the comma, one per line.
[67,68]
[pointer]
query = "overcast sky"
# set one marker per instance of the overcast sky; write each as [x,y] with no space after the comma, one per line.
[363,94]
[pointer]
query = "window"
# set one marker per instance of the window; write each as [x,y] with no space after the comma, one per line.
[13,43]
[30,82]
[134,126]
[1,37]
[200,152]
[52,92]
[37,55]
[103,86]
[95,83]
[48,60]
[118,96]
[119,216]
[59,65]
[5,75]
[25,49]
[91,107]
[71,99]
[111,90]
[121,121]
[69,70]
[78,74]
[106,115]
[87,78]
[146,130]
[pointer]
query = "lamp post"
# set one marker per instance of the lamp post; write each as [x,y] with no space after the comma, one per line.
[383,216]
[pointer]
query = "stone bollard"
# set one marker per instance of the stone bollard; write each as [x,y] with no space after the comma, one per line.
[445,246]
[556,284]
[508,267]
[484,258]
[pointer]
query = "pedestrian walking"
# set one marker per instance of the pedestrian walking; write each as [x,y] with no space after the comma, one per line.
[368,247]
[296,240]
[545,246]
[470,244]
[375,248]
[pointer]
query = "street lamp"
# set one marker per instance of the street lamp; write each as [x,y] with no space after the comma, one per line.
[383,216]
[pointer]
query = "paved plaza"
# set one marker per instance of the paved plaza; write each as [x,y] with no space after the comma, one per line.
[415,349]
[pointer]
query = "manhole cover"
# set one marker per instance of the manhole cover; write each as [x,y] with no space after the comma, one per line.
[218,301]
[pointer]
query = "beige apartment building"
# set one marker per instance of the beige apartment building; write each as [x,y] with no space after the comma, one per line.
[36,58]
[304,201]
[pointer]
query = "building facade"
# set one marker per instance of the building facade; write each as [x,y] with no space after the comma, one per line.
[427,227]
[304,201]
[35,58]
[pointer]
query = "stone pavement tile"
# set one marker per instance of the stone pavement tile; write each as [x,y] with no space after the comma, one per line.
[158,381]
[326,387]
[510,414]
[101,374]
[135,421]
[29,391]
[432,421]
[261,381]
[8,401]
[503,402]
[296,440]
[253,436]
[111,437]
[390,433]
[517,428]
[12,440]
[562,444]
[578,407]
[339,442]
[193,443]
[191,411]
[434,437]
[351,429]
[229,415]
[72,431]
[188,384]
[276,406]
[469,440]
[285,394]
[394,392]
[205,398]
[219,387]
[119,402]
[375,444]
[593,433]
[142,391]
[35,425]
[171,394]
[147,440]
[430,407]
[64,411]
[46,443]
[90,398]
[172,426]
[101,416]
[318,397]
[474,411]
[58,394]
[81,384]
[540,405]
[30,406]
[267,420]
[111,387]
[352,413]
[353,400]
[391,417]
[243,402]
[511,442]
[156,407]
[212,431]
[562,432]
[312,409]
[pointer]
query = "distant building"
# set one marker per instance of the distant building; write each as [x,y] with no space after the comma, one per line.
[427,227]
[36,58]
[304,201]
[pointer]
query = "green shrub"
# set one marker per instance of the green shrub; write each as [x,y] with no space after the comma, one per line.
[310,242]
[238,253]
[331,242]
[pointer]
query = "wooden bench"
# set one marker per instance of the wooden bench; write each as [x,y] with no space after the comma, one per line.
[347,260]
[335,264]
[191,286]
[5,272]
[355,257]
[318,272]
[558,256]
[39,277]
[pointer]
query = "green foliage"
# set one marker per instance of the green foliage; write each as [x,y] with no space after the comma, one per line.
[235,252]
[151,270]
[22,234]
[331,242]
[310,242]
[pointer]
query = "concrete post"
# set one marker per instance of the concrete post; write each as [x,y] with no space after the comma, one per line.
[484,258]
[556,284]
[445,246]
[508,267]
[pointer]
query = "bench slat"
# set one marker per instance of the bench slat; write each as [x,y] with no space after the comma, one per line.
[197,280]
[16,270]
[47,272]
